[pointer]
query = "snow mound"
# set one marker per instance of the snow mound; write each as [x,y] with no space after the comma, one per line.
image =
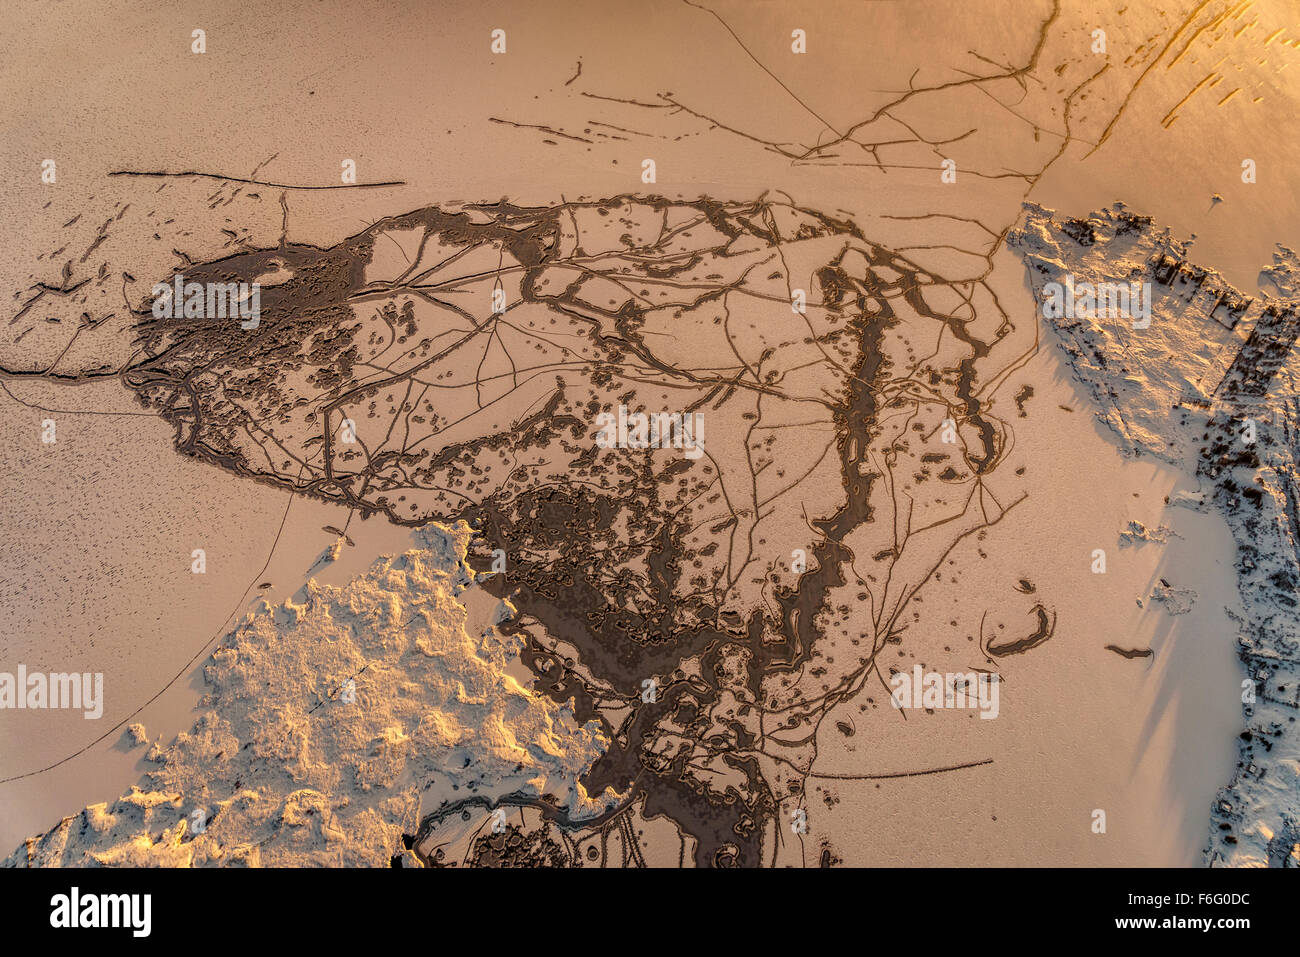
[329,720]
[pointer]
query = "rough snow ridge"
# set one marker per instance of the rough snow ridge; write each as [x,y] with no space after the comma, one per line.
[1185,390]
[287,772]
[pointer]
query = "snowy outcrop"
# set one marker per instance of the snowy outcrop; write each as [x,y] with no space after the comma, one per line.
[1210,385]
[330,721]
